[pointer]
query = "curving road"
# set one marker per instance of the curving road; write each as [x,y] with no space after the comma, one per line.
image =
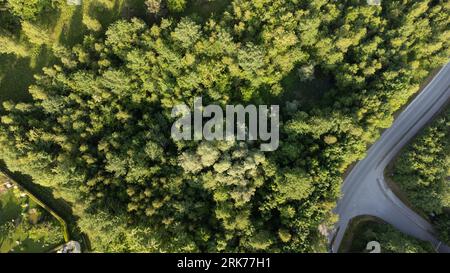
[365,191]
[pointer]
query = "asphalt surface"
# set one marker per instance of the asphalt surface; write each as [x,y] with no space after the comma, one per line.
[365,191]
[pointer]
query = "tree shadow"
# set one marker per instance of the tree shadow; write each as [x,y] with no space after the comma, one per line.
[18,74]
[73,31]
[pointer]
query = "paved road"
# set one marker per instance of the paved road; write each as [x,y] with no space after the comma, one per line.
[364,190]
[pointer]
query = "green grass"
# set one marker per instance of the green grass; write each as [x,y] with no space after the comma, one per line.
[58,207]
[25,226]
[9,208]
[16,74]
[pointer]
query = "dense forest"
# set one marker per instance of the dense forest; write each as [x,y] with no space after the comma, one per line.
[97,129]
[422,171]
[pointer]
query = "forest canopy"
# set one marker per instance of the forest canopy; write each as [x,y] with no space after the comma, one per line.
[97,130]
[422,171]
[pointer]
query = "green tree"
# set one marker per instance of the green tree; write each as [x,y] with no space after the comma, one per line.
[176,5]
[27,9]
[10,45]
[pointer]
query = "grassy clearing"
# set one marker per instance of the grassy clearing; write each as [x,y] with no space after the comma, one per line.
[59,208]
[364,229]
[25,226]
[15,77]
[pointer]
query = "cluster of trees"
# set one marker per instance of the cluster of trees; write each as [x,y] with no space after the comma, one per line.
[28,9]
[390,239]
[24,226]
[422,171]
[98,129]
[19,29]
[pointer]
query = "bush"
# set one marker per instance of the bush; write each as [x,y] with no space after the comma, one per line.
[176,5]
[27,9]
